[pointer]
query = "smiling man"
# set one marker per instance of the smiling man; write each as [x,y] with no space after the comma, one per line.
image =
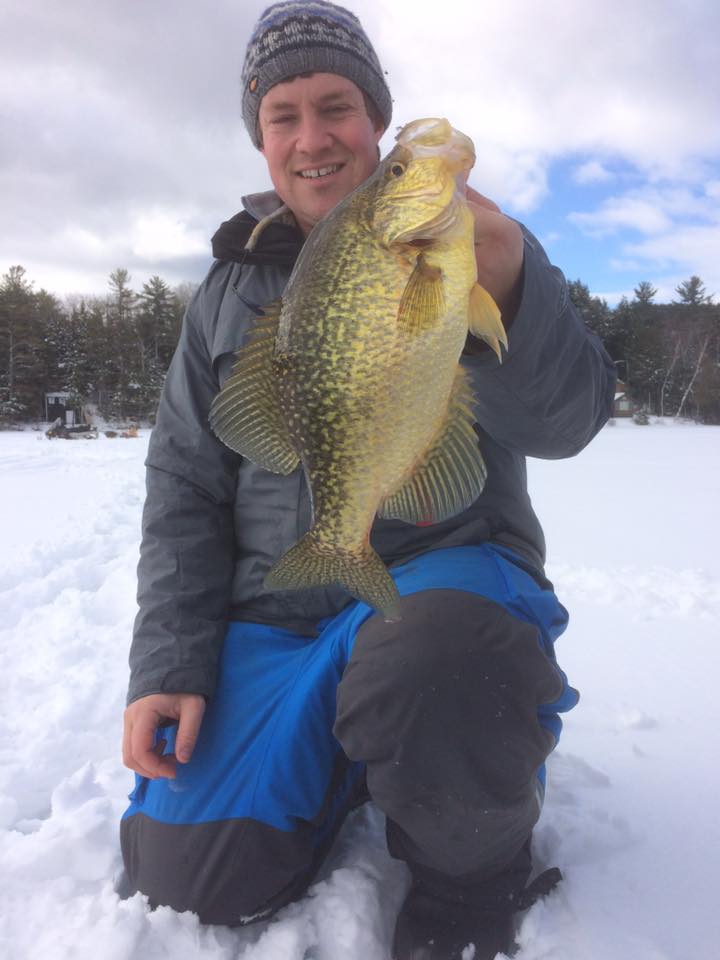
[319,142]
[257,720]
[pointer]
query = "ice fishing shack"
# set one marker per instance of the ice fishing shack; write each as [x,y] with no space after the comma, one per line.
[58,405]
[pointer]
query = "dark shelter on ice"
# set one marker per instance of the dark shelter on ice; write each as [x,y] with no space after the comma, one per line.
[58,405]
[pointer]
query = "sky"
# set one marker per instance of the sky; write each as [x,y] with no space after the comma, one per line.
[596,123]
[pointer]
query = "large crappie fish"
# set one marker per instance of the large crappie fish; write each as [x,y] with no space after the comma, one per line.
[355,374]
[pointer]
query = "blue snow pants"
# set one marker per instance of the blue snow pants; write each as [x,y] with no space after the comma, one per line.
[444,719]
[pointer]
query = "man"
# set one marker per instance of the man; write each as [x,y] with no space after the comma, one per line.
[256,721]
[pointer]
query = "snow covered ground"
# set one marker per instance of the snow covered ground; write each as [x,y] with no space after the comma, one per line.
[633,527]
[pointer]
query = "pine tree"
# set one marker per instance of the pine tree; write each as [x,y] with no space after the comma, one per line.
[707,386]
[691,328]
[642,338]
[157,321]
[593,311]
[21,367]
[79,368]
[692,292]
[52,320]
[645,292]
[603,321]
[124,359]
[121,301]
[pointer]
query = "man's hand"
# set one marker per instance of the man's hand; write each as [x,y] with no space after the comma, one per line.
[142,719]
[498,252]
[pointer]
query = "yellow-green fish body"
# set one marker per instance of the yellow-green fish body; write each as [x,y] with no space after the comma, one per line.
[356,375]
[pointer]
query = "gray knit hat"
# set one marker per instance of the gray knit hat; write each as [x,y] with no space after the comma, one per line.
[309,36]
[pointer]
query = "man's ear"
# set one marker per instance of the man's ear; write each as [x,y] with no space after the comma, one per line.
[379,134]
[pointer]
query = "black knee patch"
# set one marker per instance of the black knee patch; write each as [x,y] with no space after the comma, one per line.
[442,707]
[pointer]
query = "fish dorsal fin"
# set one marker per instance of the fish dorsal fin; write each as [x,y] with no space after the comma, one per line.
[484,319]
[247,413]
[451,474]
[423,301]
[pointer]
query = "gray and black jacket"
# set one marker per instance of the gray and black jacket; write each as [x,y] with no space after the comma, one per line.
[214,523]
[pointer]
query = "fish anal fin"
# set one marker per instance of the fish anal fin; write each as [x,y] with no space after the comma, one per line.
[423,301]
[451,474]
[484,320]
[247,414]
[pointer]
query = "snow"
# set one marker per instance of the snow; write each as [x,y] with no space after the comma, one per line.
[631,811]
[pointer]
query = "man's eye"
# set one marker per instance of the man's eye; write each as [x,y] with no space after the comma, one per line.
[281,118]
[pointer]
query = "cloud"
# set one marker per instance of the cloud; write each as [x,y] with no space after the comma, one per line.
[696,247]
[635,80]
[593,171]
[515,180]
[626,212]
[161,234]
[650,210]
[122,141]
[680,228]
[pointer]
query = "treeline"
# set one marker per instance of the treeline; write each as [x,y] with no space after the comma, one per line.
[667,354]
[112,352]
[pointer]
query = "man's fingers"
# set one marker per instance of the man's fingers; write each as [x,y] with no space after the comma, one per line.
[191,715]
[127,749]
[141,751]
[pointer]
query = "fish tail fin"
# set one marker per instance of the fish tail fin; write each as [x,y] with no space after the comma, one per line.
[311,563]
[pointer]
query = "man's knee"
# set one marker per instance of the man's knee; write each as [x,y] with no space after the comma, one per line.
[457,665]
[442,707]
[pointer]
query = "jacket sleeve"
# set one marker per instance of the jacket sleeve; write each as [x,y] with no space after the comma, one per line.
[187,550]
[554,389]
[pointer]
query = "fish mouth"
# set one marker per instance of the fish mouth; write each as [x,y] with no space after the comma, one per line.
[434,136]
[321,172]
[426,205]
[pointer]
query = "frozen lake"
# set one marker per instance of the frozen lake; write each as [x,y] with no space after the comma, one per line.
[633,526]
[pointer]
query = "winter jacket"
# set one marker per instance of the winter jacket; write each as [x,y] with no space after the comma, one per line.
[214,523]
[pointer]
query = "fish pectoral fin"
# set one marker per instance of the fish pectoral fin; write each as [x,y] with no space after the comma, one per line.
[423,301]
[451,474]
[484,320]
[282,214]
[247,414]
[310,563]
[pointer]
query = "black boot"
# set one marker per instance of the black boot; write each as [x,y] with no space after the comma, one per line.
[441,918]
[432,929]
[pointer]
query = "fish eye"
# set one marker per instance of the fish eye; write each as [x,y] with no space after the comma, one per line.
[397,169]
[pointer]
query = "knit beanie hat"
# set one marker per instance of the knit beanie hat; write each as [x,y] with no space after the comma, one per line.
[304,36]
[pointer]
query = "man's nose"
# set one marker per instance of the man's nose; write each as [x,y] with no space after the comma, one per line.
[313,135]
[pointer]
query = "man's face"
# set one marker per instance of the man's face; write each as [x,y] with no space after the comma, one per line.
[318,141]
